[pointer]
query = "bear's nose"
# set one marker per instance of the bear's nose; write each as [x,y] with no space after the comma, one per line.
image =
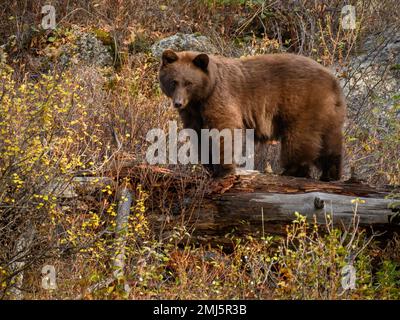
[177,105]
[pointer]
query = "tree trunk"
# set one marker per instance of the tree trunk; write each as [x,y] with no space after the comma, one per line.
[256,203]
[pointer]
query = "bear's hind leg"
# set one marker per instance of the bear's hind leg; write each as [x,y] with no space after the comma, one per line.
[331,157]
[299,149]
[297,154]
[331,166]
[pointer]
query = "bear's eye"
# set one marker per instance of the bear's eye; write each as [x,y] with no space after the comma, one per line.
[174,83]
[188,83]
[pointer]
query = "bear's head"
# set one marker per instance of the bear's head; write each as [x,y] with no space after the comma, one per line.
[185,77]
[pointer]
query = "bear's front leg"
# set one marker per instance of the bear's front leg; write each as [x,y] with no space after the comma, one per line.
[221,152]
[220,118]
[217,145]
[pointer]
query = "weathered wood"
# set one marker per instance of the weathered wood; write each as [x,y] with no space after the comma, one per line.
[122,221]
[235,204]
[18,263]
[124,208]
[253,181]
[254,213]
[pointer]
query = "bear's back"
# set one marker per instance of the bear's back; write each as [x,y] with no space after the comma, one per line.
[274,67]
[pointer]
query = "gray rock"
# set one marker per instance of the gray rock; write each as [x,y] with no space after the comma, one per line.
[374,75]
[92,51]
[87,49]
[372,87]
[184,42]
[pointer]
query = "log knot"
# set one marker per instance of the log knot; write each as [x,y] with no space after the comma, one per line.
[318,203]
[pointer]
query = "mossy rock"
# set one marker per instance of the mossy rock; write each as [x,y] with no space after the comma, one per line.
[104,36]
[182,42]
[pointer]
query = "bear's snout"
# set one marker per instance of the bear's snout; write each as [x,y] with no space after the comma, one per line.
[179,101]
[178,104]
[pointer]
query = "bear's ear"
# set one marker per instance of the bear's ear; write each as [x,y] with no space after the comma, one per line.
[169,56]
[201,61]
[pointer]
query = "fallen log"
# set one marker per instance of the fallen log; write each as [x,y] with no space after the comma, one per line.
[254,203]
[257,203]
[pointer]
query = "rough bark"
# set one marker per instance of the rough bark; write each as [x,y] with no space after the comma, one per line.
[255,203]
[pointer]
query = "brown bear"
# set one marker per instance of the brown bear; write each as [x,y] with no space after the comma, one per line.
[283,97]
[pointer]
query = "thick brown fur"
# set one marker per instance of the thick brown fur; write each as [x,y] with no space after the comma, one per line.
[281,96]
